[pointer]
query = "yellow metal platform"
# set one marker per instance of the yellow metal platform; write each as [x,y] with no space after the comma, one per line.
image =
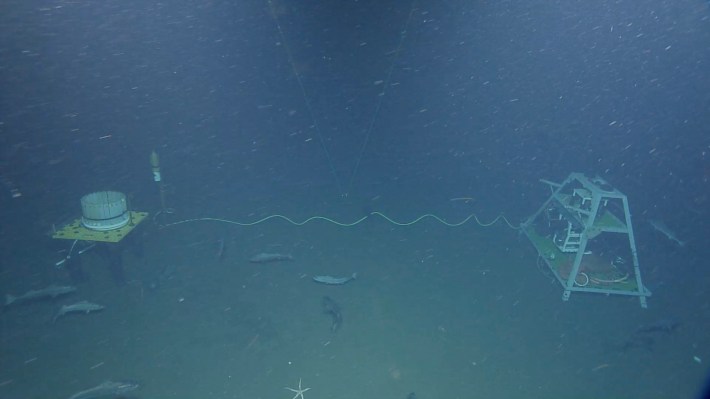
[76,231]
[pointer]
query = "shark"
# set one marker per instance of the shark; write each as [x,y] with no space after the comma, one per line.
[661,227]
[79,307]
[270,258]
[52,292]
[334,280]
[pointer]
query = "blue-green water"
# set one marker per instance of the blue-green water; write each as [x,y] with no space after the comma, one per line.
[340,109]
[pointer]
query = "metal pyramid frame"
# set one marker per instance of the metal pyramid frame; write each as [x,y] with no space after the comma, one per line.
[583,232]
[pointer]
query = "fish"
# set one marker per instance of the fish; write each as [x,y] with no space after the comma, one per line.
[168,272]
[331,308]
[666,326]
[661,227]
[638,341]
[79,307]
[52,292]
[270,258]
[106,389]
[646,335]
[334,280]
[221,249]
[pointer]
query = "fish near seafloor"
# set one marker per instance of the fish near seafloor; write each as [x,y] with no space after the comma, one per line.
[334,280]
[106,389]
[666,326]
[79,307]
[269,258]
[52,291]
[646,335]
[661,227]
[331,308]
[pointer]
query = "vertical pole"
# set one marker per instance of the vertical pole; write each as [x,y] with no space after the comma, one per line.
[634,253]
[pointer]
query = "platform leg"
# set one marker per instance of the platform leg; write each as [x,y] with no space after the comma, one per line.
[114,256]
[566,295]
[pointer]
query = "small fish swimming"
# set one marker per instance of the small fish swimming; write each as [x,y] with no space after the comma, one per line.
[661,227]
[52,292]
[221,249]
[270,258]
[168,272]
[334,280]
[79,307]
[331,308]
[107,389]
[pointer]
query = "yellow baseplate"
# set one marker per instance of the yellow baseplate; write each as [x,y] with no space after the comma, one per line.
[76,231]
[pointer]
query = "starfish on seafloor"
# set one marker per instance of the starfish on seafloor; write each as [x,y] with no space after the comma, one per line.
[299,391]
